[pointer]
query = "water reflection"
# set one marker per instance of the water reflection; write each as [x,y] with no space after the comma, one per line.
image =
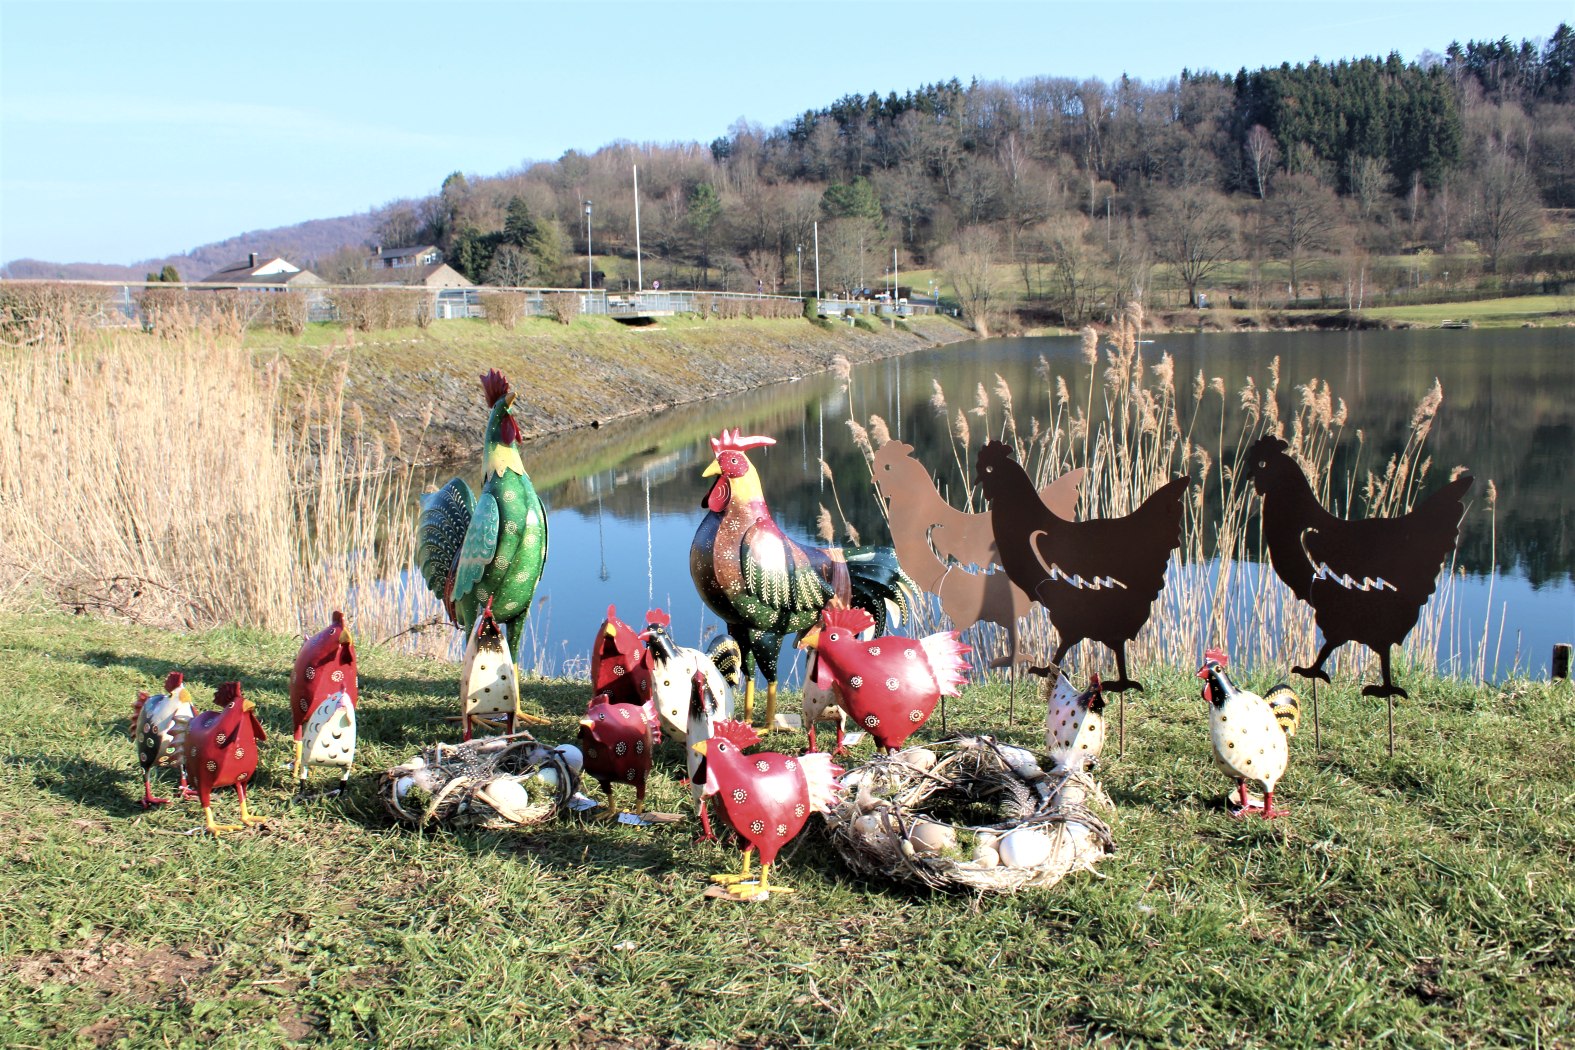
[625,499]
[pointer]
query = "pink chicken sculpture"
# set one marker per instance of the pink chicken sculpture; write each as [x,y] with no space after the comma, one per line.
[889,685]
[767,797]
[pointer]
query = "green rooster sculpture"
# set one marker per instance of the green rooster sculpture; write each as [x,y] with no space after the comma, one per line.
[472,549]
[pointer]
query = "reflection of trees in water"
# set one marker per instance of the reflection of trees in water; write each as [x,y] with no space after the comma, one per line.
[1507,414]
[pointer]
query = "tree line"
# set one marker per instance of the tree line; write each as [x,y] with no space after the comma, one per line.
[1264,181]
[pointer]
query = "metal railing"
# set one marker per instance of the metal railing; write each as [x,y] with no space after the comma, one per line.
[124,302]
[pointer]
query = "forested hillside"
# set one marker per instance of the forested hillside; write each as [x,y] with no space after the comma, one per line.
[1351,183]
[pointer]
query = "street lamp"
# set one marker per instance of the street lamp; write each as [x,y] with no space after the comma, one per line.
[801,271]
[590,274]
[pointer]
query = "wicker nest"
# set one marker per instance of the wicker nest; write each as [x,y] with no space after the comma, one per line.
[500,782]
[971,813]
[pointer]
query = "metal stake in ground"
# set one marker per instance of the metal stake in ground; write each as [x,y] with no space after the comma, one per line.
[1317,741]
[1391,726]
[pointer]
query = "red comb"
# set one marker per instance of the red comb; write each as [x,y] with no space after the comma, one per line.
[495,386]
[855,620]
[658,618]
[173,681]
[227,692]
[737,442]
[739,734]
[1216,656]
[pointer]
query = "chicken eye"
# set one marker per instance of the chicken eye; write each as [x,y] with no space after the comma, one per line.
[832,636]
[601,718]
[721,747]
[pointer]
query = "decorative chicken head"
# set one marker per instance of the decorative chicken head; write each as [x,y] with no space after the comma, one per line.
[229,696]
[735,475]
[620,665]
[503,433]
[1213,669]
[1271,465]
[326,664]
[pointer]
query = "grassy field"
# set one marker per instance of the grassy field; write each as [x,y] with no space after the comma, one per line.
[1422,901]
[1486,313]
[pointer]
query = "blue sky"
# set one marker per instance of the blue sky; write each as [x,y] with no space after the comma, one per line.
[135,130]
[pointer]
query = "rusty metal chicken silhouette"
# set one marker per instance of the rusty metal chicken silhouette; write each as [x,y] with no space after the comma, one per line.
[951,553]
[1366,579]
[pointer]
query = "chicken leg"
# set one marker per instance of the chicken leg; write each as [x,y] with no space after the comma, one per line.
[1316,670]
[148,801]
[1388,688]
[247,819]
[730,880]
[763,888]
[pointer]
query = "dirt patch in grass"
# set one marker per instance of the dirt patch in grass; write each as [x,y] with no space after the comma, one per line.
[144,975]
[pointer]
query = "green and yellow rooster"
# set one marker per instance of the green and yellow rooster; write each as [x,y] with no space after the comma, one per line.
[492,548]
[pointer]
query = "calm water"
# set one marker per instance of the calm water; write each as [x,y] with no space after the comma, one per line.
[625,500]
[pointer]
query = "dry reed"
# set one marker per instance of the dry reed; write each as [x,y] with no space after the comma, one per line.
[171,482]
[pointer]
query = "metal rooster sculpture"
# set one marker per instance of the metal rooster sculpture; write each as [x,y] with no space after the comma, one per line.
[159,722]
[763,585]
[1366,580]
[491,547]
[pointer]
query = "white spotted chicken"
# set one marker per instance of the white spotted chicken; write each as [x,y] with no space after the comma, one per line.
[1249,732]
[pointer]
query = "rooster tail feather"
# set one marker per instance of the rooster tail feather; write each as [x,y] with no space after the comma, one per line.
[723,651]
[820,778]
[948,661]
[445,515]
[880,587]
[136,709]
[1286,707]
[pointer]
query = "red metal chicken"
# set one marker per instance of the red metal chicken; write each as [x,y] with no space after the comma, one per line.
[221,751]
[325,669]
[620,663]
[891,684]
[617,740]
[767,798]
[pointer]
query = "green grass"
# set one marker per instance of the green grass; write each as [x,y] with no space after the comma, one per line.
[1485,313]
[1423,901]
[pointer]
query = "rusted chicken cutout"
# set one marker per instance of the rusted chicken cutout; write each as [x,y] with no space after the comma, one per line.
[1367,579]
[1097,579]
[951,553]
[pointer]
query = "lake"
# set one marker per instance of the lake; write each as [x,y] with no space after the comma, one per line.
[625,499]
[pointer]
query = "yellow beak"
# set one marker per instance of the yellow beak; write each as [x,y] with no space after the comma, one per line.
[346,638]
[612,631]
[810,640]
[247,705]
[699,747]
[586,723]
[712,470]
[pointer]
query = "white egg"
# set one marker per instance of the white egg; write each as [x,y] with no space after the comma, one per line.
[868,826]
[415,763]
[930,838]
[1025,848]
[549,776]
[402,787]
[917,757]
[571,757]
[985,857]
[508,797]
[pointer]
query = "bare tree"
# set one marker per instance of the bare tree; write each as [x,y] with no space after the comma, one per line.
[1370,182]
[969,267]
[1193,230]
[1300,220]
[1503,210]
[1262,153]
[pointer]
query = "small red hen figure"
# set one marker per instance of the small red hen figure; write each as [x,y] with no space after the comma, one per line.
[890,684]
[767,797]
[616,740]
[221,751]
[325,674]
[620,663]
